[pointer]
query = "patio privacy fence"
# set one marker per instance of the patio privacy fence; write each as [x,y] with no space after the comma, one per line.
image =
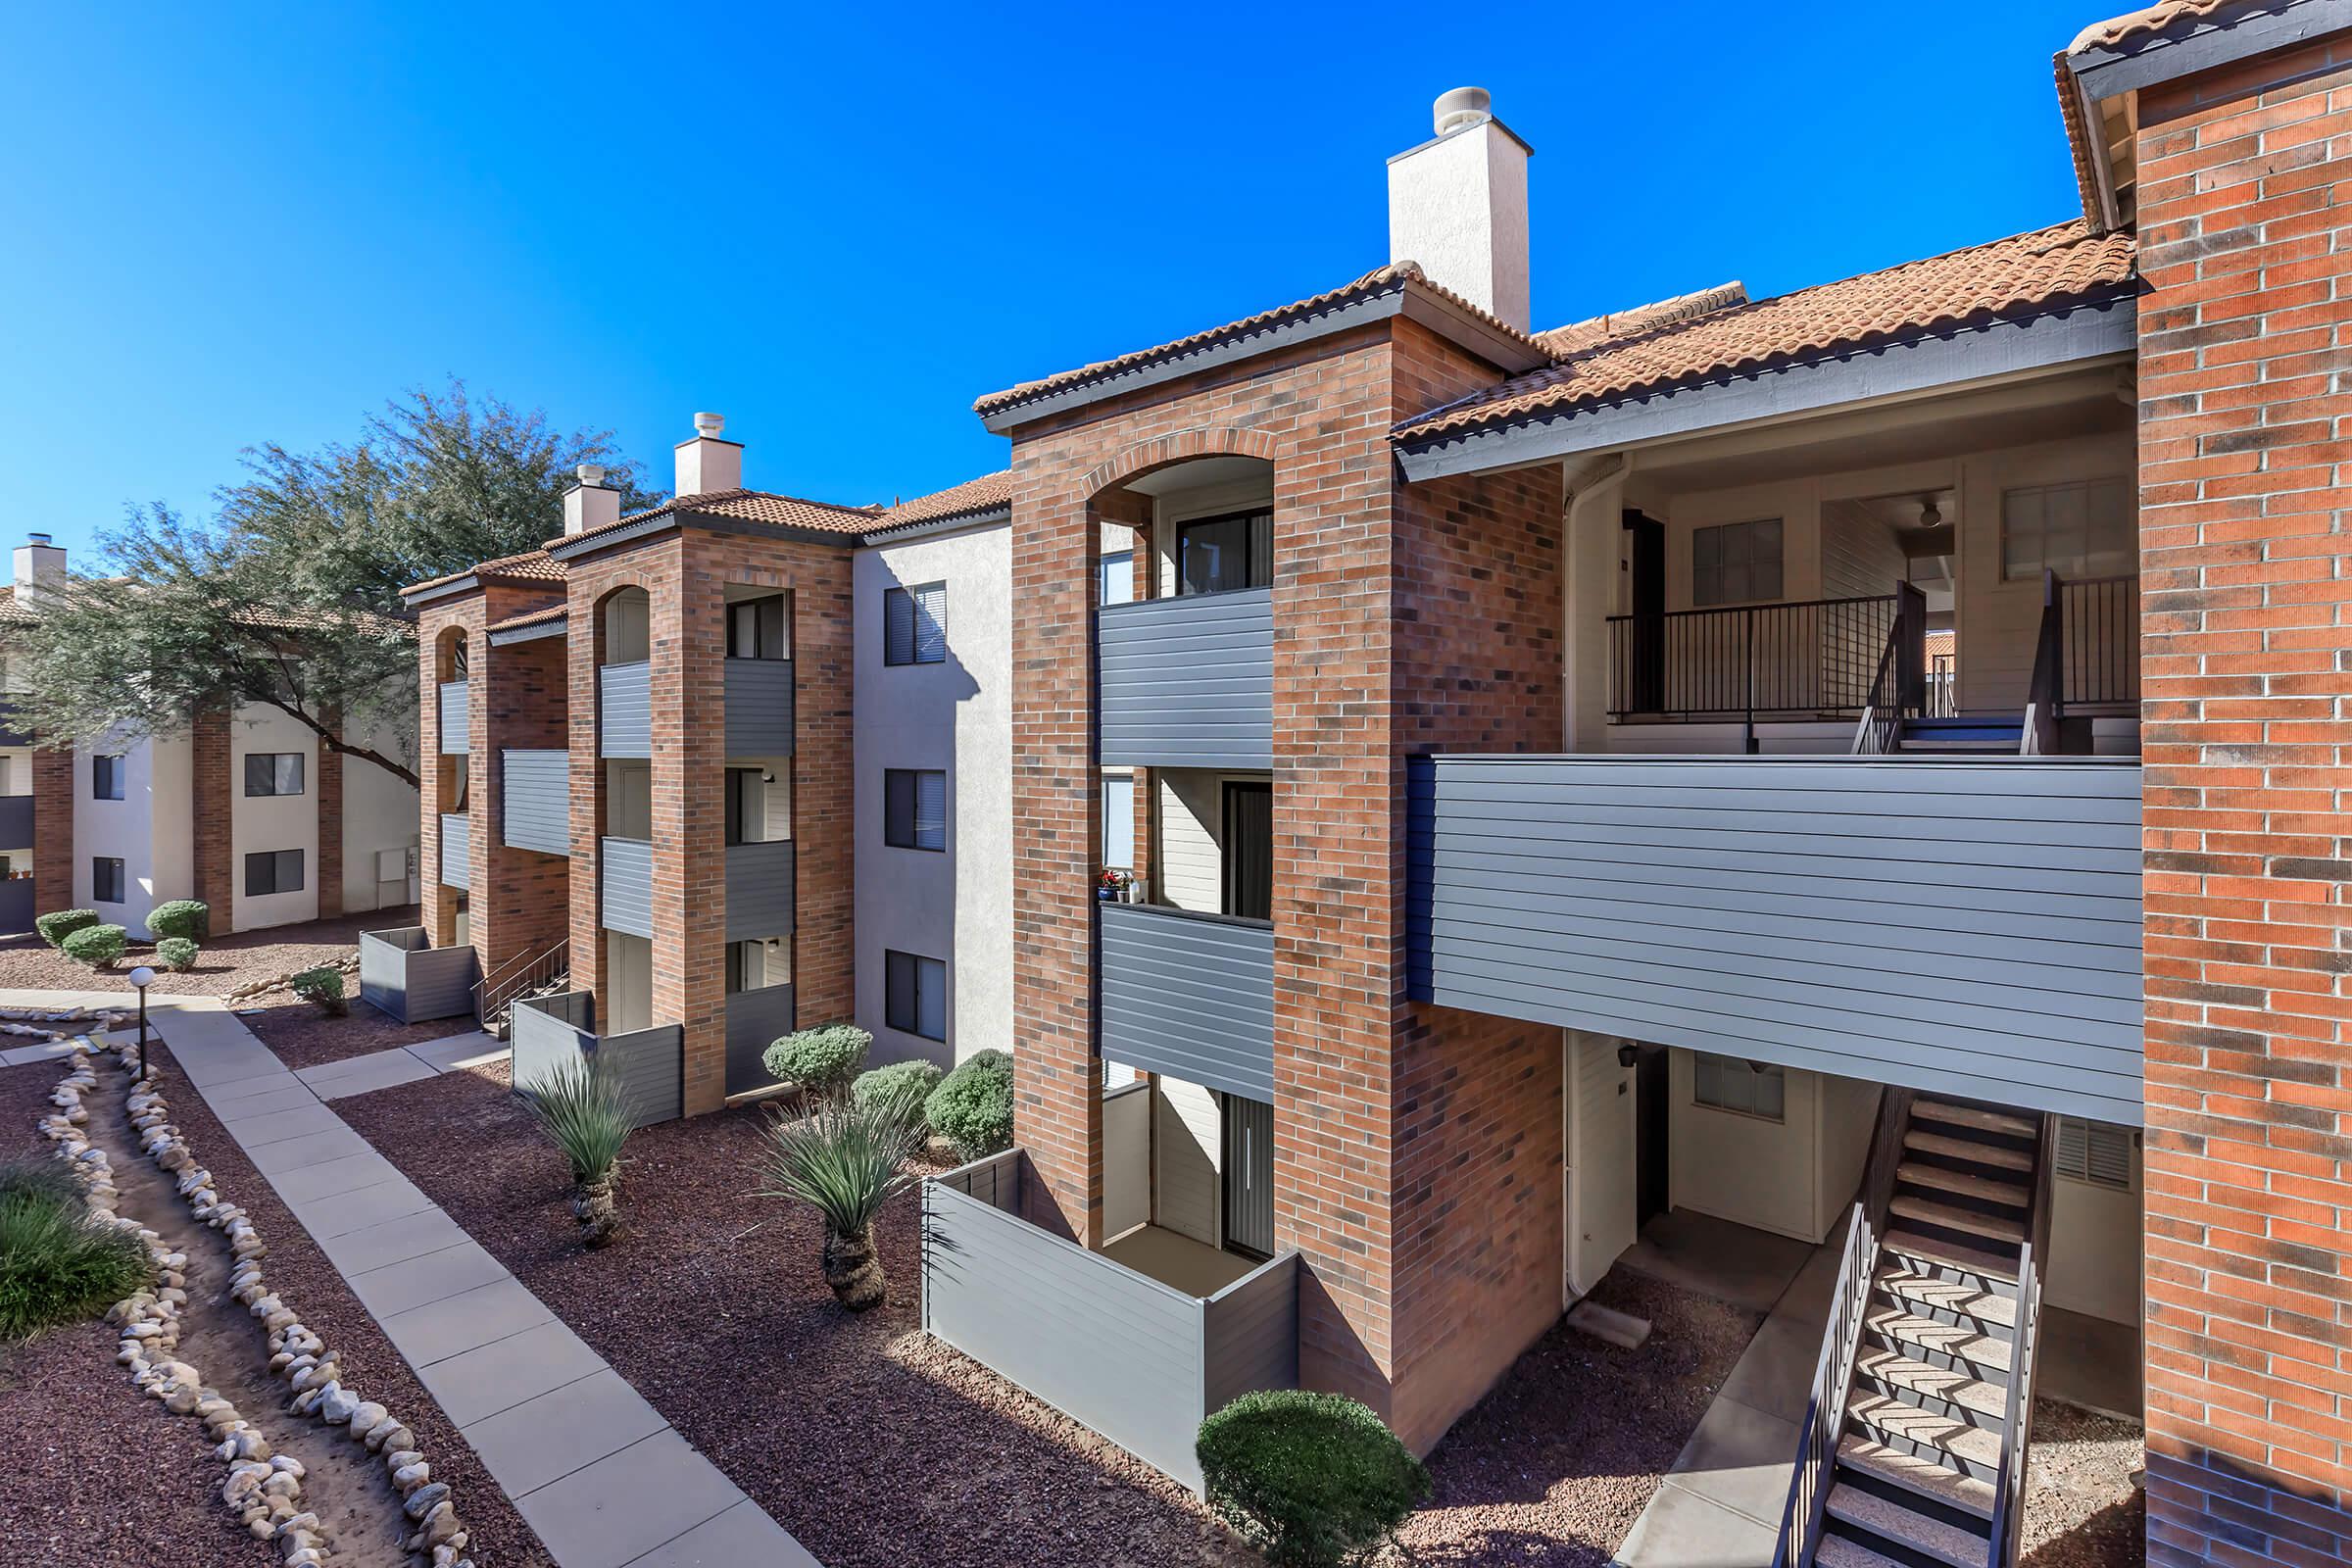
[403,976]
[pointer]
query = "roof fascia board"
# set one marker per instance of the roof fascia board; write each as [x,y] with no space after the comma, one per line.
[1460,327]
[1933,361]
[574,549]
[412,597]
[556,628]
[995,517]
[2107,70]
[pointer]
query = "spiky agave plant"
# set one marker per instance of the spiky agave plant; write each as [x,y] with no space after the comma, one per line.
[584,1111]
[844,1160]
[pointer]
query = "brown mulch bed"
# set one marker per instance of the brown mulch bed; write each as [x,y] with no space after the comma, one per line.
[1554,1465]
[874,1445]
[29,964]
[311,1284]
[303,1037]
[96,1472]
[2082,1509]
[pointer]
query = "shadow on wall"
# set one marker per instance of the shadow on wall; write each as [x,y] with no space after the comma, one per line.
[2262,1514]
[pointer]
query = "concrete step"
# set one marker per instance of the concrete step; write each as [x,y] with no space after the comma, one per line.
[1993,1157]
[1966,1260]
[1986,1403]
[2005,1232]
[1893,1423]
[1872,1514]
[1896,1468]
[1988,1353]
[1918,1173]
[1917,1291]
[1975,1116]
[1836,1552]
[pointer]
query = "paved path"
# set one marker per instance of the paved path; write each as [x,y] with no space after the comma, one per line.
[402,1064]
[594,1469]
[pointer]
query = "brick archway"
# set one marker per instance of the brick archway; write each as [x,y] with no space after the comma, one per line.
[1135,461]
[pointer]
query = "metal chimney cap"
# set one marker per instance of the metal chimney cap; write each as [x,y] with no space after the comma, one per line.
[710,424]
[39,539]
[590,473]
[1464,106]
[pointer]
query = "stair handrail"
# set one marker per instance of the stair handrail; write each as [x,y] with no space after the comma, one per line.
[2024,1345]
[2045,694]
[493,992]
[1899,687]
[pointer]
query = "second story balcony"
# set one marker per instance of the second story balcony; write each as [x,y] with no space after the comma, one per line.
[457,849]
[14,731]
[759,698]
[1189,995]
[625,887]
[15,822]
[457,738]
[1188,681]
[760,887]
[625,709]
[536,791]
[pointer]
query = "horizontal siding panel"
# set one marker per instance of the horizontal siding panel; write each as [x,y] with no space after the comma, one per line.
[1968,928]
[625,887]
[758,707]
[15,824]
[14,729]
[456,735]
[760,889]
[1250,1334]
[457,850]
[536,792]
[756,1020]
[1188,681]
[1191,996]
[17,908]
[624,710]
[550,1031]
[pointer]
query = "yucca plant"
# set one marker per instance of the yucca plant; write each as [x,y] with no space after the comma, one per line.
[56,1263]
[844,1160]
[584,1111]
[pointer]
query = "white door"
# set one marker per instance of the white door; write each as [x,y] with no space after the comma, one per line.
[1601,1193]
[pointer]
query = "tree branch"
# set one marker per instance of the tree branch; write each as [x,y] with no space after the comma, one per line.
[338,745]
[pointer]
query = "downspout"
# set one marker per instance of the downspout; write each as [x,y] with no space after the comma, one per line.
[1589,569]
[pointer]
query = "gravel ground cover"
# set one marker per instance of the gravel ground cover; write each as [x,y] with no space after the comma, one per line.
[227,962]
[2082,1509]
[303,1037]
[96,1472]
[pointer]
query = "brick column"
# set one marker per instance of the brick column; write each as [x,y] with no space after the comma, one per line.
[53,774]
[519,898]
[2247,665]
[436,625]
[331,828]
[214,858]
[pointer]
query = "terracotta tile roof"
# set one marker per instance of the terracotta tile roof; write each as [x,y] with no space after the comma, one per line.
[1377,281]
[536,618]
[984,493]
[11,610]
[2046,268]
[748,506]
[2151,20]
[2080,139]
[1595,330]
[531,565]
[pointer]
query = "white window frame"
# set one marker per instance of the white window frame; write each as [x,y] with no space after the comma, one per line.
[2029,508]
[1712,1087]
[1719,536]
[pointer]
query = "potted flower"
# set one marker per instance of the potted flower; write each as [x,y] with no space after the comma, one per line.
[1112,885]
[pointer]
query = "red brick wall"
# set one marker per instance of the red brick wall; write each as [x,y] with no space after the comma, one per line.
[53,775]
[214,858]
[435,789]
[2247,667]
[518,899]
[329,805]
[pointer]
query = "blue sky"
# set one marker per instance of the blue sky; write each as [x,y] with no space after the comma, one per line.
[838,226]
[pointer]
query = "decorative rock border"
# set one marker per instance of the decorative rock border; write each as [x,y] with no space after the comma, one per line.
[35,1021]
[254,991]
[265,1488]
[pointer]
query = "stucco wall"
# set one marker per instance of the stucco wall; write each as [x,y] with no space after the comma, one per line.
[265,822]
[380,813]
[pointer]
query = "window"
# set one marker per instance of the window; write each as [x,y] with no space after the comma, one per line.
[1735,563]
[759,963]
[105,778]
[1248,866]
[915,808]
[1115,578]
[105,879]
[1118,821]
[273,774]
[914,624]
[756,629]
[272,872]
[1749,1088]
[916,1000]
[748,807]
[2095,1151]
[2084,529]
[1218,555]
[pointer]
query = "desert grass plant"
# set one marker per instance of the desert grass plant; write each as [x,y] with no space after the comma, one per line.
[584,1109]
[845,1160]
[57,1264]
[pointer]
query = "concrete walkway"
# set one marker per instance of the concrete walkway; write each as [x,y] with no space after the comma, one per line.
[596,1471]
[401,1064]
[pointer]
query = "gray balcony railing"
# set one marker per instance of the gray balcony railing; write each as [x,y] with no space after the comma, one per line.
[1958,925]
[1188,681]
[457,850]
[625,887]
[456,731]
[624,710]
[760,888]
[17,908]
[756,1020]
[550,1031]
[403,975]
[1189,995]
[14,731]
[758,707]
[16,821]
[536,789]
[1136,1360]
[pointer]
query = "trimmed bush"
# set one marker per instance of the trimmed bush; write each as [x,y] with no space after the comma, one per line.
[822,1061]
[55,928]
[177,953]
[57,1264]
[1311,1479]
[189,919]
[972,1106]
[907,1084]
[323,986]
[97,946]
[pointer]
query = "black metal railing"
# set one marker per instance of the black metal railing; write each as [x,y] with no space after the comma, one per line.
[2099,642]
[1815,658]
[1898,686]
[495,993]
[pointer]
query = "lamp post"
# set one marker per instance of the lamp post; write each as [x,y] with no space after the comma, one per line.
[141,978]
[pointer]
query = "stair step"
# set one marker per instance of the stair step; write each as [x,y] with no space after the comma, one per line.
[1992,1155]
[1964,1183]
[1919,1289]
[1883,1516]
[1885,1417]
[1893,1322]
[1977,1116]
[1966,1259]
[1992,1227]
[1899,1469]
[1837,1553]
[1899,1371]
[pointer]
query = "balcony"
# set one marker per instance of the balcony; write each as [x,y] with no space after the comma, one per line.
[1141,1362]
[1189,995]
[550,1031]
[624,710]
[756,1020]
[758,707]
[456,735]
[760,889]
[14,731]
[16,910]
[626,891]
[405,977]
[1960,925]
[15,822]
[457,850]
[1188,681]
[535,788]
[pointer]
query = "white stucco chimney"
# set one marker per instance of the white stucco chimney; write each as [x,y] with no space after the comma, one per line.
[40,569]
[591,503]
[707,464]
[1457,206]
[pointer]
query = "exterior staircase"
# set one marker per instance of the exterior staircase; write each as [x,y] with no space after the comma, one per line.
[538,974]
[1981,734]
[1913,1449]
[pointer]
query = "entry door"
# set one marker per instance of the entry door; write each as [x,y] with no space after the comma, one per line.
[1646,650]
[1249,1176]
[1651,1086]
[1250,850]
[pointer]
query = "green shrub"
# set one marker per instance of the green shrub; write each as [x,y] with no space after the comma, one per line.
[584,1109]
[55,928]
[97,946]
[56,1264]
[972,1106]
[189,919]
[823,1060]
[845,1162]
[323,986]
[906,1084]
[177,953]
[1311,1479]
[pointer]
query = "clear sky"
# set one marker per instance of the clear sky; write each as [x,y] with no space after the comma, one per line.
[839,224]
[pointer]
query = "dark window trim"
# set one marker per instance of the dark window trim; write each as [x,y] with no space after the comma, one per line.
[273,792]
[1250,569]
[914,646]
[98,775]
[915,808]
[913,962]
[118,875]
[275,857]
